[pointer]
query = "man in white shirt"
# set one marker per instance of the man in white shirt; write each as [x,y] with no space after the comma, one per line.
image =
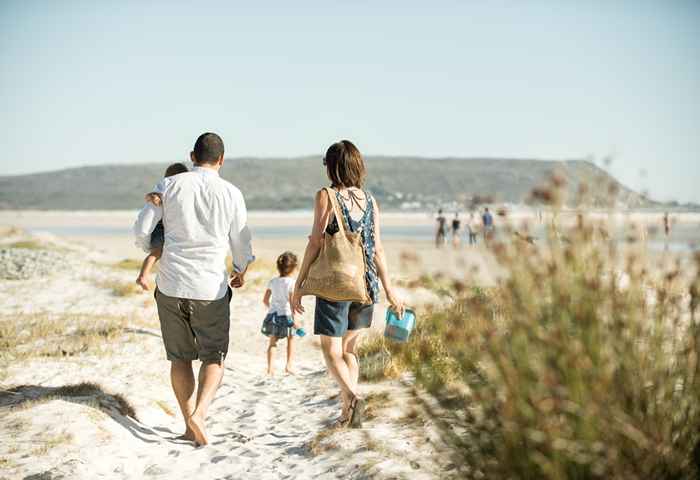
[203,216]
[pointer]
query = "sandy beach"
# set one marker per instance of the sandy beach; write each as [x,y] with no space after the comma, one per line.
[80,319]
[85,322]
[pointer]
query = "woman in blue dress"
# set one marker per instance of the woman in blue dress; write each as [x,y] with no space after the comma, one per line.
[341,323]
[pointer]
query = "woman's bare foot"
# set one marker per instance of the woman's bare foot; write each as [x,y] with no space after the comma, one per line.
[141,281]
[357,412]
[196,425]
[188,435]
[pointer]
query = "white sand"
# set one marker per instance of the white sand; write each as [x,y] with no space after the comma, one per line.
[259,427]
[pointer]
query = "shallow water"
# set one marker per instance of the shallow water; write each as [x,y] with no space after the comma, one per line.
[683,239]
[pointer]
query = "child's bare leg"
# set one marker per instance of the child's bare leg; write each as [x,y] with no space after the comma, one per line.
[270,352]
[147,266]
[290,353]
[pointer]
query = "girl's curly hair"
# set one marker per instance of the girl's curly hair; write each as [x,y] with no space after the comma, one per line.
[286,263]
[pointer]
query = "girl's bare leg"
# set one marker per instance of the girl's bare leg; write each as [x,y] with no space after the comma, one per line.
[290,354]
[147,266]
[270,352]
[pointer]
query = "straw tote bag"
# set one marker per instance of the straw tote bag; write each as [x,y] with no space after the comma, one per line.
[338,273]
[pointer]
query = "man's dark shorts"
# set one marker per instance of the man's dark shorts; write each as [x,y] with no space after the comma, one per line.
[194,329]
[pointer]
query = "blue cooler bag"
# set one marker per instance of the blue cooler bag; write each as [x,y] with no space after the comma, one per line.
[399,329]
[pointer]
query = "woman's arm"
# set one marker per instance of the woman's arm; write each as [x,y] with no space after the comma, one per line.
[266,298]
[322,211]
[382,270]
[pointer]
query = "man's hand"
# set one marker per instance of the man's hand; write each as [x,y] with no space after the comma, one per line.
[154,198]
[237,279]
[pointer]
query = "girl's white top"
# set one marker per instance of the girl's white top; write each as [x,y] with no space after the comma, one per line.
[281,288]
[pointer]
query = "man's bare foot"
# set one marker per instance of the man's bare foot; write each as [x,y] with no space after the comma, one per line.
[141,281]
[196,425]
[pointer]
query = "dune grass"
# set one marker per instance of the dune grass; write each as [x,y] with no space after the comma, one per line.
[45,335]
[87,393]
[120,288]
[583,363]
[28,245]
[50,442]
[129,264]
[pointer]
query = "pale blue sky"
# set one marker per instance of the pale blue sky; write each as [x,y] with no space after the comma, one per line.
[85,83]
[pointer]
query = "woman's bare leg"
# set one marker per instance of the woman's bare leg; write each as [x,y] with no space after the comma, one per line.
[332,348]
[350,340]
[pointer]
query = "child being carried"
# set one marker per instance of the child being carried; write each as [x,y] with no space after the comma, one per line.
[158,235]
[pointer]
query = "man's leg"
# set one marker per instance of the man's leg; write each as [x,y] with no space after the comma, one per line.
[181,349]
[182,380]
[210,323]
[210,376]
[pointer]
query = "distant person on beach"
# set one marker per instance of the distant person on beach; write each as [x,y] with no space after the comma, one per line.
[441,232]
[204,216]
[472,229]
[279,322]
[157,237]
[340,323]
[487,220]
[456,224]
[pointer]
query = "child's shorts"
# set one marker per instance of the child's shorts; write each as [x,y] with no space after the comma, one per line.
[158,236]
[277,326]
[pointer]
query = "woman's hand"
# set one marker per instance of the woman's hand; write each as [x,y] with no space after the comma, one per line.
[395,303]
[297,307]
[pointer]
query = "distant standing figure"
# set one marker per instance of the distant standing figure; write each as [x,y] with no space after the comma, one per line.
[441,233]
[667,228]
[456,224]
[487,220]
[473,229]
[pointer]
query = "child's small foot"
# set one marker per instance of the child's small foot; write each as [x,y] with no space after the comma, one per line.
[270,373]
[141,281]
[290,371]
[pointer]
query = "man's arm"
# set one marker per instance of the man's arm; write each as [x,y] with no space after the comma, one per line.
[240,239]
[146,222]
[148,218]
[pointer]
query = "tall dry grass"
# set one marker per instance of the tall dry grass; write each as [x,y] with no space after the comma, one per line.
[583,363]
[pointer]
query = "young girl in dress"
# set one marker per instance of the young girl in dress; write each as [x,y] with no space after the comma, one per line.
[279,322]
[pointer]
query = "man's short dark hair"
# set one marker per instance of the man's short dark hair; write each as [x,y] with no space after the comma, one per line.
[208,148]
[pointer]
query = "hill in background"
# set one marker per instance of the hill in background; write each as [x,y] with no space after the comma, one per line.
[289,183]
